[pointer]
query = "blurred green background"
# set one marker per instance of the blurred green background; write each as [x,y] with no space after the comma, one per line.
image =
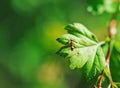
[28,32]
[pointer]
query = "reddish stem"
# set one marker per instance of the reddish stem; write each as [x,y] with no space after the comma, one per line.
[112,30]
[100,79]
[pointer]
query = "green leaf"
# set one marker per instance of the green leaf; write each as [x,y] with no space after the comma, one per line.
[117,46]
[115,62]
[86,51]
[80,30]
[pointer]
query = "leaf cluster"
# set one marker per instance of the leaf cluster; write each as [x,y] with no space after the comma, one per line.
[100,6]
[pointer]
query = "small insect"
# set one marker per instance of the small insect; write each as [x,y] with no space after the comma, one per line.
[71,45]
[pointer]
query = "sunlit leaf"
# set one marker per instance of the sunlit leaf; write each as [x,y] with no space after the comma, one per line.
[86,51]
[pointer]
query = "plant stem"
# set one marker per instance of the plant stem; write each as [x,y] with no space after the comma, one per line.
[107,65]
[100,79]
[112,31]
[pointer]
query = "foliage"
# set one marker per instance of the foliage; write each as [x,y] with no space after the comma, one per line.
[82,48]
[28,29]
[100,6]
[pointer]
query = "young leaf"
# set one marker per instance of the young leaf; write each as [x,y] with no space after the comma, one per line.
[86,51]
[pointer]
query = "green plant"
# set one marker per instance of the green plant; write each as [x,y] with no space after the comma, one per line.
[83,49]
